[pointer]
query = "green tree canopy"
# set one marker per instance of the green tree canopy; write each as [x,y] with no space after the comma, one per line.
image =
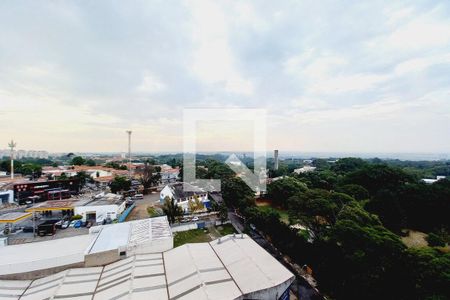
[120,183]
[78,161]
[171,209]
[281,190]
[237,194]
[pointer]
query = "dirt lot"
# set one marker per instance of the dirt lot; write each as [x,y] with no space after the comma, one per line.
[140,211]
[415,239]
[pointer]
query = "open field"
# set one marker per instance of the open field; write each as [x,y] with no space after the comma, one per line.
[265,206]
[191,236]
[415,239]
[202,235]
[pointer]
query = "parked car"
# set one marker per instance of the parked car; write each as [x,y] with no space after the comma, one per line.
[65,224]
[77,224]
[88,224]
[185,220]
[195,219]
[72,224]
[27,229]
[59,224]
[138,197]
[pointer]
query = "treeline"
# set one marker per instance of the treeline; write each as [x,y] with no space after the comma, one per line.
[353,212]
[26,166]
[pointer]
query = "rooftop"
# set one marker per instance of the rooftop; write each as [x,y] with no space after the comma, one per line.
[179,191]
[234,267]
[152,234]
[13,217]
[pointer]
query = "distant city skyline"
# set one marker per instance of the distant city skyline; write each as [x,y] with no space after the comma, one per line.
[366,77]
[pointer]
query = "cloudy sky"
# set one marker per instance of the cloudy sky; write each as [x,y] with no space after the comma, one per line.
[358,76]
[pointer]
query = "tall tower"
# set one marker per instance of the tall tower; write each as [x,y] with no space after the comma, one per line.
[275,160]
[129,152]
[12,145]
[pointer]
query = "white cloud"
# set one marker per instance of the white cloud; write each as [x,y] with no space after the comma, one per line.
[150,83]
[213,60]
[74,76]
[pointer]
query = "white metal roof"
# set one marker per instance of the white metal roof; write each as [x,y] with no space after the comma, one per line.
[194,271]
[111,237]
[243,256]
[234,268]
[43,255]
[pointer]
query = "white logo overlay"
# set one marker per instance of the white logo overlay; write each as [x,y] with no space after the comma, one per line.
[254,179]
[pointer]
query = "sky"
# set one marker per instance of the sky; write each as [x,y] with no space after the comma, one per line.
[350,76]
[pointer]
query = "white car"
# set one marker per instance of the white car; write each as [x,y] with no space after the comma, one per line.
[195,219]
[72,224]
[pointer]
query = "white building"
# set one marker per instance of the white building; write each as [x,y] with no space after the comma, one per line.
[182,197]
[103,245]
[104,206]
[304,169]
[431,181]
[6,197]
[233,267]
[169,174]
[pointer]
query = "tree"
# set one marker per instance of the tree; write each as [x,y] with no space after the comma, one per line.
[428,273]
[347,165]
[281,190]
[63,176]
[120,183]
[377,177]
[78,161]
[171,209]
[435,240]
[354,190]
[237,194]
[149,177]
[82,177]
[90,162]
[195,205]
[223,212]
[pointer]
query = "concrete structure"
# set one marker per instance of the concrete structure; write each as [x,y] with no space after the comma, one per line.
[14,217]
[6,197]
[103,245]
[304,169]
[275,160]
[431,181]
[234,267]
[102,207]
[182,197]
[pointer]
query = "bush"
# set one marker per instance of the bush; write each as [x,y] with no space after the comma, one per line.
[76,217]
[435,240]
[154,212]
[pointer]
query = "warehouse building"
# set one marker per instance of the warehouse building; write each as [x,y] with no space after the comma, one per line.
[233,267]
[103,245]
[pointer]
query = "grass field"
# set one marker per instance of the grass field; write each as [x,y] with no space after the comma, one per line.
[284,217]
[201,235]
[191,236]
[225,229]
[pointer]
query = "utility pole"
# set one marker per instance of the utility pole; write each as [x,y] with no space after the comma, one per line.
[12,145]
[129,153]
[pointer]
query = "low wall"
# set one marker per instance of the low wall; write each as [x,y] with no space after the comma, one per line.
[125,214]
